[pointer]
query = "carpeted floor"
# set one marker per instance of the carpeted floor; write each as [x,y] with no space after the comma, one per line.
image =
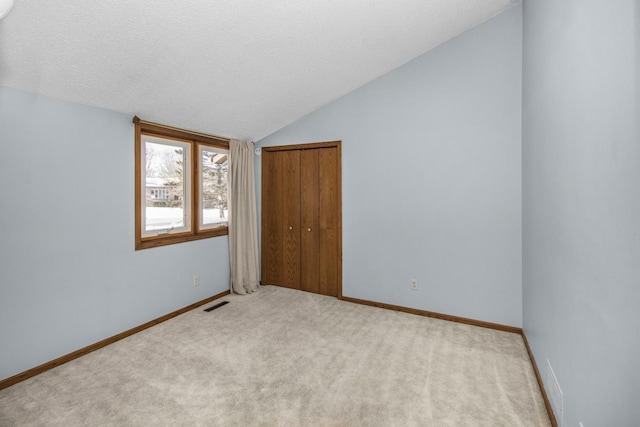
[282,357]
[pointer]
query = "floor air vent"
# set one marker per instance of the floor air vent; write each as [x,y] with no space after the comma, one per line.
[213,307]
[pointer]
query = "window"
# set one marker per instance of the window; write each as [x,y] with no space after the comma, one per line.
[162,193]
[181,185]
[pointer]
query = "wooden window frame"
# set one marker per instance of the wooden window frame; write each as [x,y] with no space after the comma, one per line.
[195,139]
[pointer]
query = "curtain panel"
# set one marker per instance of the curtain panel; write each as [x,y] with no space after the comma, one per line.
[243,218]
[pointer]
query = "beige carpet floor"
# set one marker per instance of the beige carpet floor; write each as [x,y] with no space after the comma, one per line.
[282,357]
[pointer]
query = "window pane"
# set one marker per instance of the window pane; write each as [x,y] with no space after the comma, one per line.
[214,204]
[166,185]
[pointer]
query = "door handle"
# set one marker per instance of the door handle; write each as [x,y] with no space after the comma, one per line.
[308,229]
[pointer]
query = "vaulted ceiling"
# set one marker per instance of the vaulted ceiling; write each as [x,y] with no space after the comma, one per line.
[233,68]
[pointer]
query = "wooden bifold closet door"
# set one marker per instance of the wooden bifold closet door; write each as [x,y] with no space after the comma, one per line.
[301,217]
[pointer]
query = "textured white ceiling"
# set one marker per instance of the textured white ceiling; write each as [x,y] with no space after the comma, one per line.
[233,68]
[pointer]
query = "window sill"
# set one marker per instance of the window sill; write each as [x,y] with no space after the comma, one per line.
[152,242]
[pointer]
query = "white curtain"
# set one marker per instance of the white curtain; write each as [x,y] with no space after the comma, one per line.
[243,219]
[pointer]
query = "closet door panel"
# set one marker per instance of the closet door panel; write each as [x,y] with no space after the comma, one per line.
[272,237]
[290,218]
[309,221]
[281,218]
[328,217]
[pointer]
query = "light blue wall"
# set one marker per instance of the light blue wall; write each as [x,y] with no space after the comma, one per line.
[69,274]
[581,194]
[432,177]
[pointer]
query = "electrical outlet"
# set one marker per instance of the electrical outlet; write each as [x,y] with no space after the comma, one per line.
[414,284]
[555,394]
[196,281]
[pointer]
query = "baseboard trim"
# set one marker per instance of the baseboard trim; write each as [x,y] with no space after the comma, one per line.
[93,347]
[547,402]
[441,316]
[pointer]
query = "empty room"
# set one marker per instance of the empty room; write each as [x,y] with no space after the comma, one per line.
[320,213]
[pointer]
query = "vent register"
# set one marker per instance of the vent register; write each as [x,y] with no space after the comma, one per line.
[213,307]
